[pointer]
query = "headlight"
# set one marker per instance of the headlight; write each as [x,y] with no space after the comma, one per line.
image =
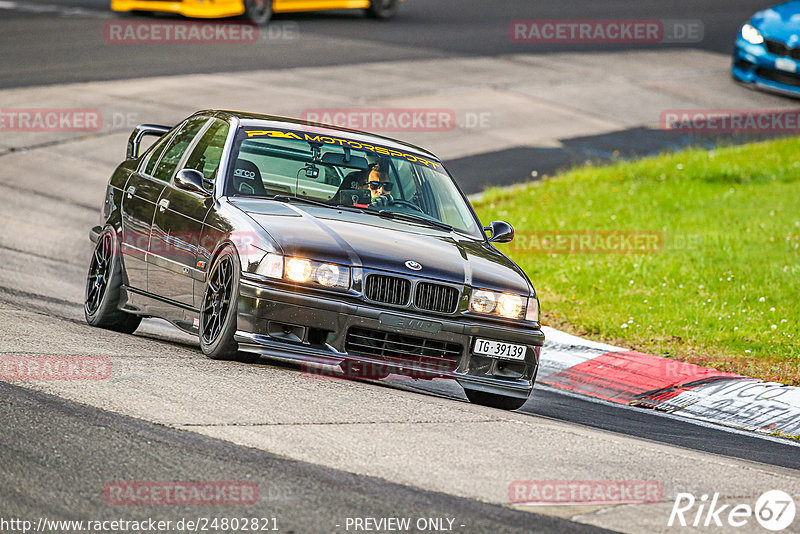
[505,305]
[298,270]
[752,35]
[328,275]
[305,271]
[482,301]
[510,306]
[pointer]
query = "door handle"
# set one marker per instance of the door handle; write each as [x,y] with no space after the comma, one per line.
[163,204]
[131,191]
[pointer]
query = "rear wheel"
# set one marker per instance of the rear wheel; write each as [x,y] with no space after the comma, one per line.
[218,311]
[494,401]
[258,11]
[103,288]
[382,9]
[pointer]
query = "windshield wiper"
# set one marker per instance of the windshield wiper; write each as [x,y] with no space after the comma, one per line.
[414,218]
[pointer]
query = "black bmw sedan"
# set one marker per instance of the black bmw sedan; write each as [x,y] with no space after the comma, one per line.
[347,251]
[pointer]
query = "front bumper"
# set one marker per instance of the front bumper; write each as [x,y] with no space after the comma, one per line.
[755,64]
[299,326]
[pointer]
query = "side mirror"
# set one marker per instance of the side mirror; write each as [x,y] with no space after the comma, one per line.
[191,180]
[500,232]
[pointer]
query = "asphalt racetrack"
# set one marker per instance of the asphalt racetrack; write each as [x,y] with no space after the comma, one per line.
[58,41]
[319,449]
[167,405]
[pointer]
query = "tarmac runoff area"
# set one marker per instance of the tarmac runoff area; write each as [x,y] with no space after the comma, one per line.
[52,186]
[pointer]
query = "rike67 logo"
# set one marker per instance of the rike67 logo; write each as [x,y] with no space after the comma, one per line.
[774,510]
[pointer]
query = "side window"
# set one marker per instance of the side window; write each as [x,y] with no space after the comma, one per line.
[207,155]
[155,153]
[172,156]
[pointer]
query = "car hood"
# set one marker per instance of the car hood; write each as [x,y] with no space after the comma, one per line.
[376,243]
[781,23]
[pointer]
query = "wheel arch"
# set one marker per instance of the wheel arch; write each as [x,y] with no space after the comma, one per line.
[221,245]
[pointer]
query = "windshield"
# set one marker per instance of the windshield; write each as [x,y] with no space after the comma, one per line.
[341,172]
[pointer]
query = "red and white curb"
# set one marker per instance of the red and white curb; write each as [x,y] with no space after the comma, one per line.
[627,377]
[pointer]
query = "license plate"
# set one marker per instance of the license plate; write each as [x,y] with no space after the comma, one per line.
[784,64]
[499,349]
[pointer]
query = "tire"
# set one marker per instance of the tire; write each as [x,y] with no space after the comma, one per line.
[382,9]
[258,11]
[494,401]
[103,283]
[218,310]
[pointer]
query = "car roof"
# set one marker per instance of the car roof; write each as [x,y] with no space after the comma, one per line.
[259,120]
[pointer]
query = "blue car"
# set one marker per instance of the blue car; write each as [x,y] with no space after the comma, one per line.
[767,51]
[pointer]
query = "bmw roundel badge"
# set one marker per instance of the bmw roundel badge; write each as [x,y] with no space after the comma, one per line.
[414,266]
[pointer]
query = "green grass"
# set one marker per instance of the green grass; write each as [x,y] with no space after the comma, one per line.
[780,434]
[722,290]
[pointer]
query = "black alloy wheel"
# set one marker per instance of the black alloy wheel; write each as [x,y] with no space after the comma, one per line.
[101,306]
[218,311]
